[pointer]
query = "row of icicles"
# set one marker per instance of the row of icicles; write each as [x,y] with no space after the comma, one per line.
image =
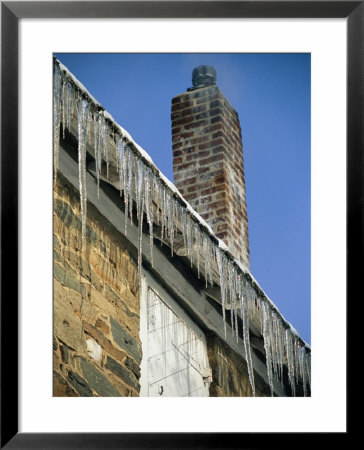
[139,182]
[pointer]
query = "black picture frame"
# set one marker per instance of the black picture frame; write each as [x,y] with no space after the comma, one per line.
[11,12]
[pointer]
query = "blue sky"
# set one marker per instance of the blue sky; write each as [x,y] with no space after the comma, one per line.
[272,95]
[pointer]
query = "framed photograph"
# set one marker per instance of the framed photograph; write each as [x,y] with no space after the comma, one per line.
[97,351]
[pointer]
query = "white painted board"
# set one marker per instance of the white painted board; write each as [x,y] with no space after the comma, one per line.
[177,355]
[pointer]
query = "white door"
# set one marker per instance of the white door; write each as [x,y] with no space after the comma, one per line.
[177,363]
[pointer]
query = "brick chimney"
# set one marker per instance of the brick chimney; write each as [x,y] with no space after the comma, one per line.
[208,161]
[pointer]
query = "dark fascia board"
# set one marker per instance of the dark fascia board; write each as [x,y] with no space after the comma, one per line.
[11,12]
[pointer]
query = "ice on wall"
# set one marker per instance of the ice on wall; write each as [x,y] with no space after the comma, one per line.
[83,117]
[57,80]
[169,217]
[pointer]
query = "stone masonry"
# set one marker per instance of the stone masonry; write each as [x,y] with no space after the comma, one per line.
[230,372]
[97,348]
[96,344]
[208,163]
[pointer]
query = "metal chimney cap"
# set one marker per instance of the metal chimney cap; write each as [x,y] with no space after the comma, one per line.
[203,76]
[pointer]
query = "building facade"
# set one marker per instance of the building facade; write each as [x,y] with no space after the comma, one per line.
[149,300]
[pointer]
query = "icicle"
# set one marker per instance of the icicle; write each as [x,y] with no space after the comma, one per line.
[211,258]
[83,114]
[189,238]
[131,165]
[230,290]
[70,105]
[126,185]
[174,218]
[138,187]
[117,157]
[105,138]
[149,209]
[237,280]
[308,367]
[120,148]
[302,369]
[56,117]
[182,217]
[220,265]
[169,206]
[67,94]
[163,211]
[267,343]
[114,146]
[197,241]
[234,295]
[280,346]
[156,196]
[140,231]
[274,343]
[88,131]
[246,336]
[97,150]
[296,362]
[64,105]
[140,211]
[290,362]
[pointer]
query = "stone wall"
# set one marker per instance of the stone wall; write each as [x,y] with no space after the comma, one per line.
[230,376]
[97,349]
[208,164]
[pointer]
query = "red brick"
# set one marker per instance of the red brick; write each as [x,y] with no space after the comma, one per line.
[198,109]
[197,155]
[221,195]
[222,227]
[211,144]
[190,197]
[187,165]
[218,180]
[206,216]
[190,180]
[213,190]
[221,149]
[189,150]
[216,119]
[199,139]
[187,135]
[192,188]
[221,235]
[191,124]
[180,105]
[219,133]
[186,112]
[211,159]
[213,96]
[177,145]
[176,130]
[204,200]
[183,121]
[221,211]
